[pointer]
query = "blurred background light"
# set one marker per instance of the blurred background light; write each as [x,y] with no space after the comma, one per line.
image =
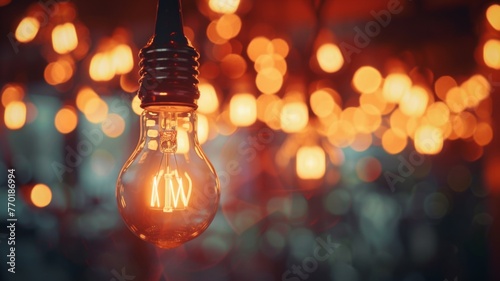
[15,115]
[27,29]
[243,110]
[330,58]
[310,163]
[41,195]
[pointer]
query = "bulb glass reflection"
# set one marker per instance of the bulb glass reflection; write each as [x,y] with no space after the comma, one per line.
[168,191]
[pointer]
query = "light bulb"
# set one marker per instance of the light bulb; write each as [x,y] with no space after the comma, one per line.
[167,191]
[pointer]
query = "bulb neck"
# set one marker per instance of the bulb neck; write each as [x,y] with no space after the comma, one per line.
[168,63]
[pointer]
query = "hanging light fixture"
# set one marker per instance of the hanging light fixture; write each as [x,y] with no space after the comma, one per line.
[167,191]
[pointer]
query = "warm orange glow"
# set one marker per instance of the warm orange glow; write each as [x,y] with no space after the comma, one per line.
[493,16]
[491,53]
[259,46]
[101,67]
[182,141]
[202,128]
[12,92]
[268,108]
[398,121]
[122,59]
[271,61]
[96,110]
[64,38]
[113,126]
[58,72]
[366,79]
[443,85]
[394,141]
[212,33]
[438,114]
[464,124]
[41,195]
[341,133]
[84,96]
[128,84]
[395,86]
[322,103]
[310,162]
[66,120]
[243,110]
[294,117]
[269,81]
[414,102]
[477,88]
[329,58]
[233,66]
[224,6]
[280,47]
[27,29]
[428,140]
[456,99]
[483,134]
[15,115]
[208,102]
[368,169]
[366,120]
[228,26]
[136,105]
[375,101]
[362,142]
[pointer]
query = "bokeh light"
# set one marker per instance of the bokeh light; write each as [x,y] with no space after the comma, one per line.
[58,72]
[12,92]
[233,66]
[443,85]
[66,120]
[259,46]
[269,80]
[95,110]
[428,140]
[27,29]
[224,6]
[122,59]
[322,103]
[394,141]
[101,67]
[491,53]
[294,117]
[64,38]
[329,58]
[15,115]
[41,195]
[395,86]
[367,79]
[243,110]
[456,99]
[414,102]
[310,162]
[228,26]
[493,16]
[368,169]
[113,126]
[483,134]
[208,102]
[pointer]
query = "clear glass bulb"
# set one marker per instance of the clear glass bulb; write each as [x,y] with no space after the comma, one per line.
[168,191]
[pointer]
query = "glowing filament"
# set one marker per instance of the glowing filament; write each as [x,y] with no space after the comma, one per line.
[177,194]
